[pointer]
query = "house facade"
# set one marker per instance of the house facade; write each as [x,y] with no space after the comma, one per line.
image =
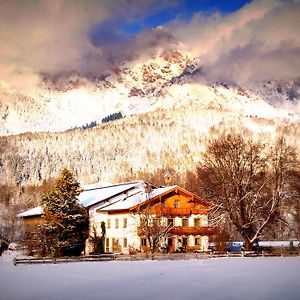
[121,207]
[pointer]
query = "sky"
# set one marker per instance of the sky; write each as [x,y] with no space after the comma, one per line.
[183,10]
[236,40]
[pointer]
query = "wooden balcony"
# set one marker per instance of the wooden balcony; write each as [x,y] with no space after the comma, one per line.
[192,230]
[174,212]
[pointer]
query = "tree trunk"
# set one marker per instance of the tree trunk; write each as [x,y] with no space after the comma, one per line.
[248,244]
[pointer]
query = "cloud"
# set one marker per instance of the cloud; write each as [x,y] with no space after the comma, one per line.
[261,41]
[258,42]
[53,36]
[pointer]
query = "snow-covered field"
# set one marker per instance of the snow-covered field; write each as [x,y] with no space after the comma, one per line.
[225,278]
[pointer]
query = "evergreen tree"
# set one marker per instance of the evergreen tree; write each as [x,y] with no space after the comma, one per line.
[66,221]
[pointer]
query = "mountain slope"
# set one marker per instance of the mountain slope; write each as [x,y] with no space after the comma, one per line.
[163,80]
[166,138]
[170,113]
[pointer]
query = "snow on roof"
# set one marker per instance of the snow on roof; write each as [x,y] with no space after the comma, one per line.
[36,211]
[90,196]
[93,196]
[135,199]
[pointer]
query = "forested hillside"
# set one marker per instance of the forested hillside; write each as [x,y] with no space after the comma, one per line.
[172,138]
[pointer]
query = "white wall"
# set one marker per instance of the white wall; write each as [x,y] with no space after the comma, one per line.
[130,232]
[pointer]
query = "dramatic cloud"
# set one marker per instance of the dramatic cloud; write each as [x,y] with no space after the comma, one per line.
[53,36]
[259,42]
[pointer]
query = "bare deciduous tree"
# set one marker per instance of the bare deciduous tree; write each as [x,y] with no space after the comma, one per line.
[96,240]
[246,181]
[152,226]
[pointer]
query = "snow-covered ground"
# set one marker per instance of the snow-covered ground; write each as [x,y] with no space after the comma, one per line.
[226,278]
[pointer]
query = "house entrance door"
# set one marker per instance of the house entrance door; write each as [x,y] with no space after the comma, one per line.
[171,245]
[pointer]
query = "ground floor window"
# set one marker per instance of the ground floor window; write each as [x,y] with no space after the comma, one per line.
[197,241]
[184,241]
[107,245]
[125,243]
[143,242]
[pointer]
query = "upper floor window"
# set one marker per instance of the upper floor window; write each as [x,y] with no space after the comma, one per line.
[185,222]
[197,222]
[125,223]
[170,222]
[176,203]
[116,223]
[108,223]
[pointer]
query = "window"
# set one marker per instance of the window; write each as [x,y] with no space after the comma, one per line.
[170,222]
[185,222]
[184,242]
[116,223]
[124,223]
[197,241]
[108,223]
[197,222]
[107,245]
[163,204]
[125,243]
[143,242]
[176,203]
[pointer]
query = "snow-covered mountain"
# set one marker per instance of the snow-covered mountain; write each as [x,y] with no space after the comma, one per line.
[164,80]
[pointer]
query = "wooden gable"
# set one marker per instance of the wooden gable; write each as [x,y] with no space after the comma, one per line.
[176,202]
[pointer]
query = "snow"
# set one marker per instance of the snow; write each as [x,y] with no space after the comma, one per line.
[225,278]
[135,199]
[36,211]
[91,197]
[278,243]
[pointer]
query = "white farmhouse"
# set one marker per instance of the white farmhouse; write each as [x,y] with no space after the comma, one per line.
[121,206]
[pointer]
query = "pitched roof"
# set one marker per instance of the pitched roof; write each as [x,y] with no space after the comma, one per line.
[36,211]
[135,199]
[91,196]
[119,197]
[141,196]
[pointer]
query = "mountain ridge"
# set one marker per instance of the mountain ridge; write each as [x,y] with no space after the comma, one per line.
[164,79]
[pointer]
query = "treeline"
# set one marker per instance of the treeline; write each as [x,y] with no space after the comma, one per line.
[161,139]
[112,117]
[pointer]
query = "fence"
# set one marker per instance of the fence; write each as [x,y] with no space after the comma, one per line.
[50,260]
[144,256]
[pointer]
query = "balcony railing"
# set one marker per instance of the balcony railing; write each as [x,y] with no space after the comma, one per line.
[189,230]
[173,212]
[186,230]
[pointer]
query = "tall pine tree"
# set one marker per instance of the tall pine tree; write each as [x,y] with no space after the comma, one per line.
[66,221]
